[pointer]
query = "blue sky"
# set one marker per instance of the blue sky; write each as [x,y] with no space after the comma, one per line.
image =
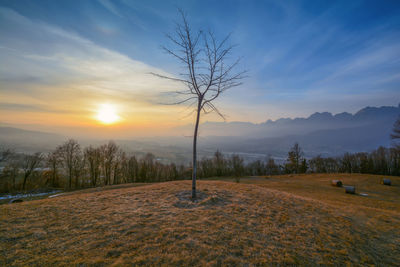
[301,56]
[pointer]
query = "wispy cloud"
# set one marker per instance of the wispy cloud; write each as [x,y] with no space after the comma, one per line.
[110,7]
[5,106]
[62,71]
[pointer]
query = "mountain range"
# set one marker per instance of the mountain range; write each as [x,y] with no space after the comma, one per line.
[321,133]
[299,126]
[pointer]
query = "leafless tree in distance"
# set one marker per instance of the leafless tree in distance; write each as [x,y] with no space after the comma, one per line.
[208,72]
[30,162]
[53,161]
[69,151]
[93,158]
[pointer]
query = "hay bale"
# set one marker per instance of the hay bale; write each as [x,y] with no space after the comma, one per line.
[386,181]
[350,189]
[337,183]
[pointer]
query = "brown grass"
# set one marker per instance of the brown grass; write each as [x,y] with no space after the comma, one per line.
[276,221]
[75,191]
[318,187]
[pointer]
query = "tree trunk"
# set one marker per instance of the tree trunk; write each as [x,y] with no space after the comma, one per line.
[24,183]
[54,178]
[70,178]
[13,180]
[194,173]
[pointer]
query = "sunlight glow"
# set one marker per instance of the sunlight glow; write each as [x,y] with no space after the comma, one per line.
[107,114]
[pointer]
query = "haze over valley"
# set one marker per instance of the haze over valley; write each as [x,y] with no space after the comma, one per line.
[319,134]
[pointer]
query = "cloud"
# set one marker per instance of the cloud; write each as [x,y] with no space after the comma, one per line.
[5,106]
[110,7]
[373,59]
[59,69]
[14,106]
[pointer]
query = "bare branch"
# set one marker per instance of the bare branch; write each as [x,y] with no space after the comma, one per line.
[213,108]
[179,102]
[169,78]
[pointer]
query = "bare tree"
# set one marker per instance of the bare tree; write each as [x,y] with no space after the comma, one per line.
[109,153]
[237,167]
[124,167]
[133,169]
[295,157]
[68,152]
[13,164]
[208,73]
[30,162]
[53,160]
[271,167]
[219,163]
[146,171]
[93,158]
[78,168]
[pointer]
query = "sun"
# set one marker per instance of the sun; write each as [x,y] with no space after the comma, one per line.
[107,114]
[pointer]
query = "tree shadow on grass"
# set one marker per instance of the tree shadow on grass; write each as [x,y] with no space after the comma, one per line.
[203,199]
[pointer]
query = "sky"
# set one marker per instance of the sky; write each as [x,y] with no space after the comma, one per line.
[63,61]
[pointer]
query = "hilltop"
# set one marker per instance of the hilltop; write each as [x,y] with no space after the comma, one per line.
[275,220]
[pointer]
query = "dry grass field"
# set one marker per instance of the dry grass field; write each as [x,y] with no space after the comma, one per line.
[280,220]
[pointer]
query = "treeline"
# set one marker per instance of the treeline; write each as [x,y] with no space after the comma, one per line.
[384,161]
[70,166]
[220,165]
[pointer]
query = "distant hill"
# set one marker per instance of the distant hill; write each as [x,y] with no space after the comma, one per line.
[28,141]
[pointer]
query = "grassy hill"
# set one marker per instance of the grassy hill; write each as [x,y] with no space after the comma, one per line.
[280,220]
